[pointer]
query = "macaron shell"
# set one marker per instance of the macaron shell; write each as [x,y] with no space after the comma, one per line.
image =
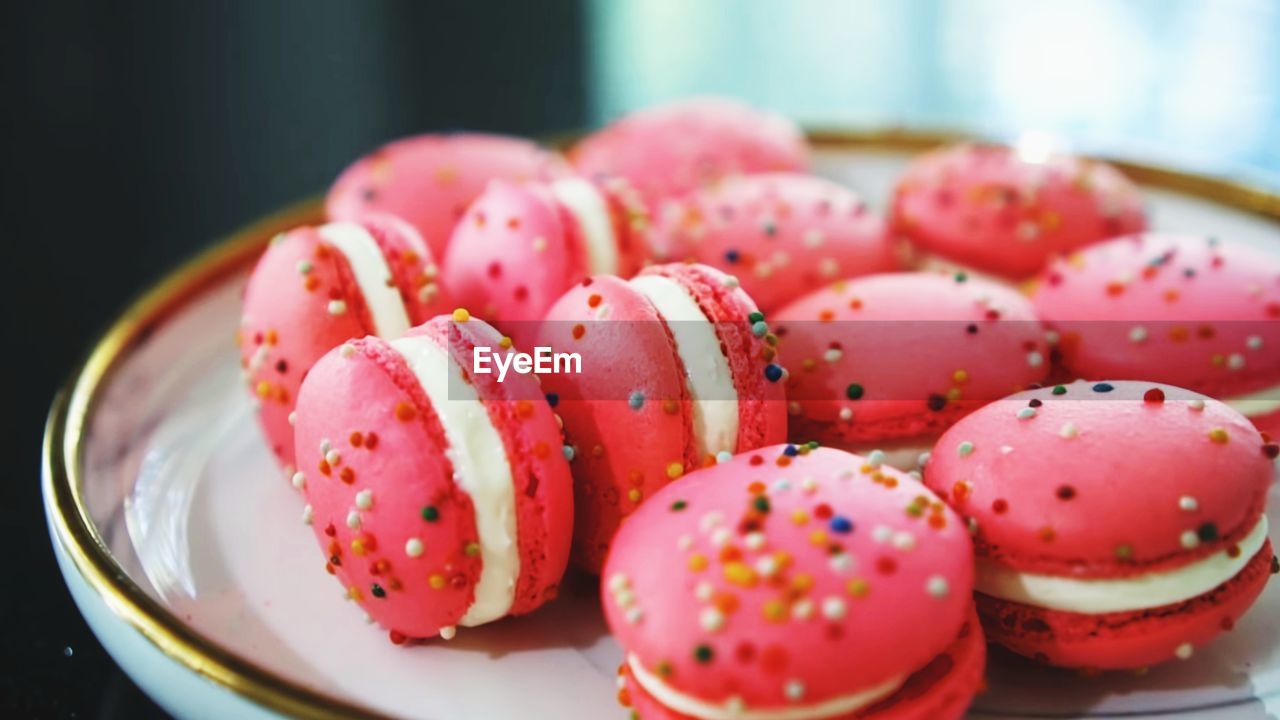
[858,575]
[391,444]
[1070,487]
[632,386]
[904,355]
[943,690]
[532,442]
[429,180]
[1191,311]
[301,301]
[762,417]
[1126,640]
[669,150]
[781,234]
[512,256]
[413,266]
[991,208]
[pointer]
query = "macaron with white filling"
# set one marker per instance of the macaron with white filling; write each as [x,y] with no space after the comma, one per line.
[1118,524]
[521,246]
[1197,312]
[440,497]
[793,583]
[315,287]
[430,179]
[678,369]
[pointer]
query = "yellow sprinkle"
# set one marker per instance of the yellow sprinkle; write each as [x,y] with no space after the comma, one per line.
[740,574]
[818,537]
[353,593]
[953,394]
[436,581]
[1219,436]
[960,377]
[461,315]
[357,547]
[857,587]
[775,610]
[799,517]
[697,562]
[801,582]
[633,495]
[675,470]
[264,389]
[505,342]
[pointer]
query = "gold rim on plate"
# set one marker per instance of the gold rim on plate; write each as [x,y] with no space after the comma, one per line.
[74,530]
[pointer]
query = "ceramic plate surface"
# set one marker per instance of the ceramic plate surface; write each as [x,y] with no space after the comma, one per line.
[186,497]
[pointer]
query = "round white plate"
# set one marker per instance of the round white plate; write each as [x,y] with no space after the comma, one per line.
[195,511]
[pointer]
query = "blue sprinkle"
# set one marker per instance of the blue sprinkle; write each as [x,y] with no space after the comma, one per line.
[773,372]
[636,400]
[731,256]
[553,399]
[724,456]
[759,329]
[569,452]
[1103,387]
[790,451]
[841,524]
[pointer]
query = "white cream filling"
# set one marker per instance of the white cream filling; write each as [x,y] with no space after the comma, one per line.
[695,707]
[1256,404]
[715,400]
[480,468]
[590,209]
[1122,594]
[373,277]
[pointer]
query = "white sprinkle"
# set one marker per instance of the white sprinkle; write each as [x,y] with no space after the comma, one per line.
[618,581]
[430,271]
[684,542]
[305,267]
[841,562]
[413,547]
[448,632]
[846,414]
[730,281]
[325,446]
[364,499]
[721,536]
[1196,404]
[333,457]
[299,480]
[1235,361]
[923,459]
[634,615]
[1190,540]
[1138,334]
[1026,413]
[833,355]
[1253,342]
[723,457]
[781,485]
[1051,337]
[794,690]
[1028,231]
[539,244]
[833,608]
[1006,449]
[353,520]
[808,485]
[802,609]
[1186,503]
[337,307]
[1068,430]
[704,590]
[964,449]
[882,534]
[937,586]
[306,515]
[828,267]
[347,350]
[876,458]
[428,292]
[711,619]
[754,540]
[1184,651]
[904,540]
[1035,359]
[767,566]
[293,419]
[624,597]
[368,619]
[708,522]
[813,238]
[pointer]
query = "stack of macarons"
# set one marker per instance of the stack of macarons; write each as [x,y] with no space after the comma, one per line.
[945,483]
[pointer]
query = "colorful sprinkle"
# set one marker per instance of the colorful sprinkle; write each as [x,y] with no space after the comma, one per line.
[1103,388]
[460,315]
[413,547]
[854,391]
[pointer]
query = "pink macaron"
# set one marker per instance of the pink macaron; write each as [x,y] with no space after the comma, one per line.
[1117,524]
[318,286]
[677,369]
[522,245]
[669,150]
[441,497]
[798,583]
[429,180]
[781,234]
[996,210]
[885,363]
[1195,312]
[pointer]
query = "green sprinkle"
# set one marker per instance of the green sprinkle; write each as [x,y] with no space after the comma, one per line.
[430,513]
[854,391]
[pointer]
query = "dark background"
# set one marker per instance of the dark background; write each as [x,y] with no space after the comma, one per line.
[137,132]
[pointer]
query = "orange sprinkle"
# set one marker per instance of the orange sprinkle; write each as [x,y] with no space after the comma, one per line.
[858,587]
[775,611]
[524,409]
[579,331]
[697,562]
[405,412]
